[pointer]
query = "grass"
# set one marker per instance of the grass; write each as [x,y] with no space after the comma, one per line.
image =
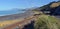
[47,22]
[8,22]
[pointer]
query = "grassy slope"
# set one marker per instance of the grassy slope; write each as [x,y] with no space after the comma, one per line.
[47,22]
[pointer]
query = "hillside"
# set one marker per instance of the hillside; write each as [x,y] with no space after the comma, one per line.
[49,10]
[52,8]
[46,21]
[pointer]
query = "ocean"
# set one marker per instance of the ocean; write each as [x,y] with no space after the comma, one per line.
[3,13]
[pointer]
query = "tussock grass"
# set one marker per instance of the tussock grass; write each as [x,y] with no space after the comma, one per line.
[47,22]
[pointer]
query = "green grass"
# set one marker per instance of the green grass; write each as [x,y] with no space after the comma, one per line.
[47,22]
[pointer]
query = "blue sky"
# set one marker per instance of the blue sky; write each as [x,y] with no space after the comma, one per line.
[10,4]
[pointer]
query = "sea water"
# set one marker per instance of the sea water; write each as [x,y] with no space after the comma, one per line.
[3,13]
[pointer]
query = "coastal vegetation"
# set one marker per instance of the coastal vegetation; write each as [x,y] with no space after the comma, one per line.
[47,22]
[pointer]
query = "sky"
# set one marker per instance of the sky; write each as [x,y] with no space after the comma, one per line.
[22,4]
